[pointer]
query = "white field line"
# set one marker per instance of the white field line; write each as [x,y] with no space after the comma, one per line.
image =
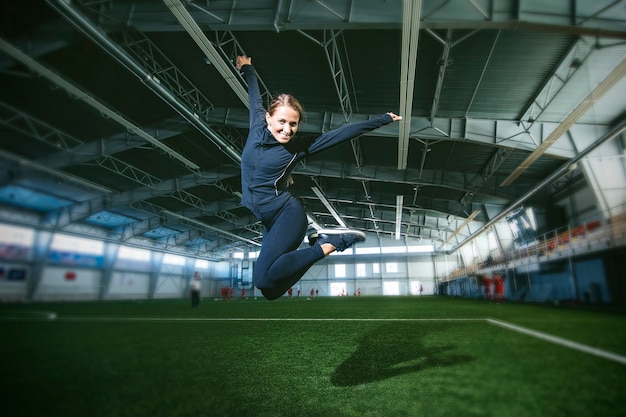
[113,318]
[560,341]
[28,315]
[48,316]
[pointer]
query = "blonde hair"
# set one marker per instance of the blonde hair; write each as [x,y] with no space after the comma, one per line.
[286,100]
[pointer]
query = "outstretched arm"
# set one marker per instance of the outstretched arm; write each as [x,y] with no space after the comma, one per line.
[257,111]
[350,131]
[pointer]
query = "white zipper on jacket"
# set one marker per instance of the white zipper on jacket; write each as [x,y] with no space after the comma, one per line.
[283,173]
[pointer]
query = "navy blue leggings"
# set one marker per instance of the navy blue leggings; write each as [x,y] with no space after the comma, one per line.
[280,265]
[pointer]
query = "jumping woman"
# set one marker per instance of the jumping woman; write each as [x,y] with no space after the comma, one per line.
[269,156]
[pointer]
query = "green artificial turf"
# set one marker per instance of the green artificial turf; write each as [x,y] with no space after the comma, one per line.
[342,356]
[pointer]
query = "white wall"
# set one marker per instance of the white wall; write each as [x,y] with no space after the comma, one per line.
[55,285]
[13,290]
[170,286]
[128,285]
[400,269]
[131,276]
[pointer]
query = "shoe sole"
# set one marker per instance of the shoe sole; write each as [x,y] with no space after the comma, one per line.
[341,232]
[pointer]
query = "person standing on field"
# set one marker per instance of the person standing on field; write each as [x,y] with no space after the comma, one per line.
[195,287]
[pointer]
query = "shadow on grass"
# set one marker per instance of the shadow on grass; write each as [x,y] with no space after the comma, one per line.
[395,349]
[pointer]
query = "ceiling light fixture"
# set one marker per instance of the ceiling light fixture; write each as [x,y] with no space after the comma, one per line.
[399,202]
[410,34]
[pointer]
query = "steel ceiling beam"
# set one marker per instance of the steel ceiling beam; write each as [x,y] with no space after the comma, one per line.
[226,69]
[201,225]
[24,162]
[331,209]
[587,103]
[368,198]
[443,65]
[482,74]
[111,145]
[38,129]
[227,40]
[158,64]
[149,76]
[579,55]
[95,34]
[277,16]
[461,226]
[340,80]
[617,130]
[501,133]
[92,153]
[457,181]
[76,212]
[91,101]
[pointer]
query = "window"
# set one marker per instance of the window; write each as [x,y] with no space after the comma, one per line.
[72,244]
[391,267]
[376,268]
[134,254]
[242,255]
[16,235]
[202,264]
[420,248]
[340,271]
[338,288]
[394,249]
[72,250]
[15,242]
[391,288]
[173,259]
[491,238]
[360,270]
[522,224]
[367,251]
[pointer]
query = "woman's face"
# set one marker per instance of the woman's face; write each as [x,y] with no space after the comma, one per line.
[283,123]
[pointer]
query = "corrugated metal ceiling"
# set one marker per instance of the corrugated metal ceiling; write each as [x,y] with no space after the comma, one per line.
[515,70]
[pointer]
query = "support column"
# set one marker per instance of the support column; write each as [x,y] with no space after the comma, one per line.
[572,279]
[111,252]
[41,250]
[156,261]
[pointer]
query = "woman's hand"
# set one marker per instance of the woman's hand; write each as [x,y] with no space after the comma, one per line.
[394,116]
[242,60]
